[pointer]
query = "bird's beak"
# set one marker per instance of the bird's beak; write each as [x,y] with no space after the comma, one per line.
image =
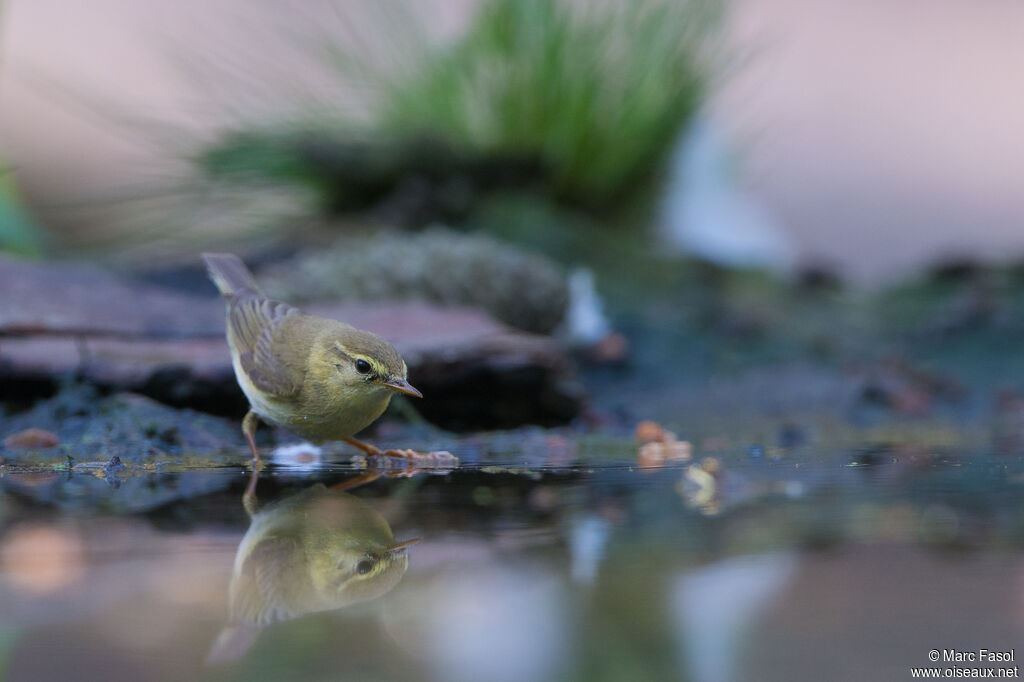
[394,549]
[402,386]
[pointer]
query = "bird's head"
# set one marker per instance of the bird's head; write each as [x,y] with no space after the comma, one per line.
[365,361]
[351,553]
[363,573]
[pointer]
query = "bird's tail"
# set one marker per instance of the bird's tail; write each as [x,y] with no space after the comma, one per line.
[229,273]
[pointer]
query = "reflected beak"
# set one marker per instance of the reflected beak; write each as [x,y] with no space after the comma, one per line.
[402,386]
[401,546]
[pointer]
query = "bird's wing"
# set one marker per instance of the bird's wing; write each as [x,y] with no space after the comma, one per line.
[261,328]
[263,591]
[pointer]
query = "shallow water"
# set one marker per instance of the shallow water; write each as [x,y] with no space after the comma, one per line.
[840,567]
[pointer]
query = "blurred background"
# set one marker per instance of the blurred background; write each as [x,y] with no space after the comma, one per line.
[720,306]
[874,138]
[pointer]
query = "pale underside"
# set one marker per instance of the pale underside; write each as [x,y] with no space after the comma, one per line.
[272,347]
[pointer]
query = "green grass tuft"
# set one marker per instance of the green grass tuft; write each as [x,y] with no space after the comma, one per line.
[597,93]
[589,98]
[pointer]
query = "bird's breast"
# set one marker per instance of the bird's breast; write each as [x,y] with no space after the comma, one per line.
[332,413]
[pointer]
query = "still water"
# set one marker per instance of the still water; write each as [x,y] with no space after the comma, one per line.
[838,567]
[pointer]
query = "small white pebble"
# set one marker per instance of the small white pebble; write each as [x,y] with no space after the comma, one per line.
[300,456]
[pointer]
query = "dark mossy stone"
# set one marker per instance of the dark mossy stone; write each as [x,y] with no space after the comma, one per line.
[136,429]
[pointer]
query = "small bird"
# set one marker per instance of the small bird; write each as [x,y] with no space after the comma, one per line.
[319,550]
[321,379]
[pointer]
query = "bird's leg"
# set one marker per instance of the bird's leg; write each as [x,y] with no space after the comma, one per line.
[367,448]
[440,457]
[357,481]
[249,498]
[249,424]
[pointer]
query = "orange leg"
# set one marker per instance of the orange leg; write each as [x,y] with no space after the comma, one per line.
[249,497]
[441,457]
[367,448]
[249,424]
[368,477]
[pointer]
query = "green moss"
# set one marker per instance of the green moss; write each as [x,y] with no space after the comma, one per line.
[438,265]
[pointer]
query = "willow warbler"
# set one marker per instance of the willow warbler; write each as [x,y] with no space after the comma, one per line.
[319,550]
[321,379]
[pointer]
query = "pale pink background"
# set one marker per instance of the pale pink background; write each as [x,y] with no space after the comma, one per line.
[880,134]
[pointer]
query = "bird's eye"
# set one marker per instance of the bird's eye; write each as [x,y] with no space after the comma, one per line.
[364,567]
[362,366]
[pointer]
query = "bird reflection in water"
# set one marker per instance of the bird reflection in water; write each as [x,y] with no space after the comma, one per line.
[319,550]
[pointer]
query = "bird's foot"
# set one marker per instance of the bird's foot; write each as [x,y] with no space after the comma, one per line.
[434,458]
[406,463]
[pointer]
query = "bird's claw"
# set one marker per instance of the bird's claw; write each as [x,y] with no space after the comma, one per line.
[433,458]
[396,462]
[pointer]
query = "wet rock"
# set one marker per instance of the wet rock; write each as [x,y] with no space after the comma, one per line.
[118,442]
[131,428]
[113,465]
[184,372]
[439,266]
[73,300]
[905,389]
[171,347]
[495,380]
[31,439]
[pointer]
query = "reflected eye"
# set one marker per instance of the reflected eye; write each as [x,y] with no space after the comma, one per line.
[364,567]
[362,366]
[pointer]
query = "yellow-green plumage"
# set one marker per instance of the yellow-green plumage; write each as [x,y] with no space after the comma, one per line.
[319,378]
[312,543]
[315,551]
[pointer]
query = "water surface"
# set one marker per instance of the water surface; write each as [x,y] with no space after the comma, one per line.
[826,566]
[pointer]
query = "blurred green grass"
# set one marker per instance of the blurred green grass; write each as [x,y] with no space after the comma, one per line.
[596,94]
[578,102]
[18,234]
